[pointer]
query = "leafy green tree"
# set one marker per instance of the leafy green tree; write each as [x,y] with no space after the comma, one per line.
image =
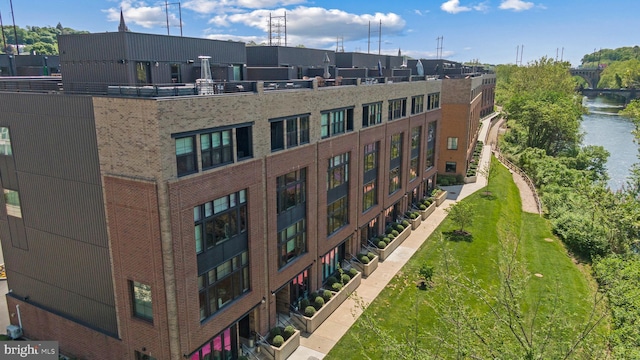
[461,213]
[621,74]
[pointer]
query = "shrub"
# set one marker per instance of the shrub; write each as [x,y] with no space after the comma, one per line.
[401,227]
[336,287]
[423,207]
[381,244]
[288,332]
[319,302]
[371,255]
[426,272]
[353,272]
[304,303]
[389,229]
[277,341]
[395,233]
[309,311]
[275,332]
[315,294]
[388,238]
[363,259]
[331,280]
[345,278]
[326,295]
[413,216]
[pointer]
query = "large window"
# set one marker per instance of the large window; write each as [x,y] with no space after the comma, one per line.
[450,167]
[395,163]
[370,176]
[433,101]
[220,220]
[142,304]
[337,215]
[338,172]
[452,143]
[369,196]
[291,190]
[415,152]
[223,283]
[397,108]
[336,122]
[331,261]
[216,148]
[368,232]
[186,155]
[431,146]
[12,202]
[417,104]
[291,243]
[222,347]
[289,132]
[5,141]
[371,114]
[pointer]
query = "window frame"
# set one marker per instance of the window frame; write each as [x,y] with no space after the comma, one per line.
[206,220]
[417,104]
[452,143]
[397,109]
[225,151]
[233,273]
[5,141]
[299,248]
[141,308]
[337,215]
[336,122]
[192,156]
[372,114]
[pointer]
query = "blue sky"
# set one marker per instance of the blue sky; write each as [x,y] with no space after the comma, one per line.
[489,31]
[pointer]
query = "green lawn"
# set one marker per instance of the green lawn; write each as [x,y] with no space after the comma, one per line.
[438,319]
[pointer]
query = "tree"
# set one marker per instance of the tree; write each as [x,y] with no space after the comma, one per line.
[461,214]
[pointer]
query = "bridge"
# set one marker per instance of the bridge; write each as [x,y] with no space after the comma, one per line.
[627,94]
[590,75]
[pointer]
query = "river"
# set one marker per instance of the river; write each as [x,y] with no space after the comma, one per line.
[603,126]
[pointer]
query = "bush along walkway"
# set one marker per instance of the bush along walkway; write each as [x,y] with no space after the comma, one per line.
[317,344]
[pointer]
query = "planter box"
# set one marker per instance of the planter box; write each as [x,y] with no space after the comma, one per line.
[312,323]
[416,222]
[384,253]
[425,213]
[470,179]
[284,351]
[441,197]
[369,268]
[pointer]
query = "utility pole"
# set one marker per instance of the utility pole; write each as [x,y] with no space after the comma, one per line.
[380,37]
[369,40]
[15,31]
[440,41]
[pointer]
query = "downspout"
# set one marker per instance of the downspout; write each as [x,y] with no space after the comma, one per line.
[166,241]
[19,316]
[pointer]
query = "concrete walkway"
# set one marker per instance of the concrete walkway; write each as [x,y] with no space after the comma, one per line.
[315,346]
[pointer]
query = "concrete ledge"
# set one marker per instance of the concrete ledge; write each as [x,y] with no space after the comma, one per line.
[470,179]
[284,351]
[312,323]
[441,197]
[416,222]
[428,211]
[384,253]
[369,268]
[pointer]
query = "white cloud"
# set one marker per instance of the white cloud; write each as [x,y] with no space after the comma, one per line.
[453,7]
[317,27]
[418,12]
[516,5]
[139,13]
[483,7]
[217,6]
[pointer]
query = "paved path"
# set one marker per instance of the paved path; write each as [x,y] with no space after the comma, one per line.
[315,346]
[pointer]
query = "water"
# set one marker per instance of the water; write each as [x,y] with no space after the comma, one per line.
[603,126]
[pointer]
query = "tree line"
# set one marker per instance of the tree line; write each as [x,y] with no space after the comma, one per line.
[598,226]
[621,66]
[33,39]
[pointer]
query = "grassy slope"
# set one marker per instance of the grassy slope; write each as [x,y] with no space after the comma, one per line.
[402,306]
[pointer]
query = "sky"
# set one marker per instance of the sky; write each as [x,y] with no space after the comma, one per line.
[489,31]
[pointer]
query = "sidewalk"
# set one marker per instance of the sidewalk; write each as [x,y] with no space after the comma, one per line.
[315,346]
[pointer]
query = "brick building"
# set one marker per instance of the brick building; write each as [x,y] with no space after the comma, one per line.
[144,218]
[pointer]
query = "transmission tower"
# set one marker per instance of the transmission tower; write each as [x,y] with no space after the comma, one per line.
[277,30]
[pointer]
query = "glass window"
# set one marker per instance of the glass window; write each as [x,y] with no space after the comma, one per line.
[216,148]
[12,202]
[291,243]
[186,155]
[397,109]
[338,172]
[450,167]
[394,180]
[396,146]
[291,190]
[290,132]
[336,122]
[369,198]
[417,104]
[433,101]
[224,283]
[371,114]
[337,214]
[142,304]
[452,143]
[219,220]
[370,157]
[5,141]
[244,142]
